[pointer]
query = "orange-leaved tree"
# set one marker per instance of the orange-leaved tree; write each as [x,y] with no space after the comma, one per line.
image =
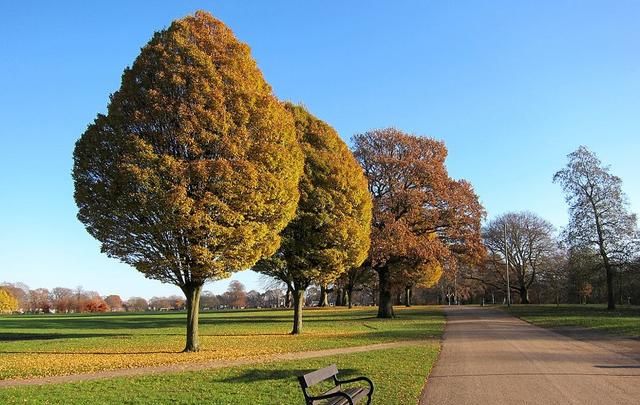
[330,232]
[193,172]
[422,219]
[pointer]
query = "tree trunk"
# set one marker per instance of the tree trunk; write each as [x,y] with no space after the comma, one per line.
[340,297]
[298,303]
[524,295]
[611,299]
[287,297]
[385,304]
[407,296]
[350,295]
[192,293]
[324,297]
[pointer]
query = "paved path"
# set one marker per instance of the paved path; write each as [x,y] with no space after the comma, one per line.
[490,357]
[205,365]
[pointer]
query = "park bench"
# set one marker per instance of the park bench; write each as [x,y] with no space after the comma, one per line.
[336,395]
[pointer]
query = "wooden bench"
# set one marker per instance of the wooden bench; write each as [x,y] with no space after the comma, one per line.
[336,395]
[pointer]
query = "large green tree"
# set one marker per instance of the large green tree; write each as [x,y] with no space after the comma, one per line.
[422,219]
[330,232]
[193,171]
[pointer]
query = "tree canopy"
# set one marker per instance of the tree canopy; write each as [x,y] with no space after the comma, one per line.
[330,232]
[422,219]
[193,171]
[599,216]
[8,303]
[530,247]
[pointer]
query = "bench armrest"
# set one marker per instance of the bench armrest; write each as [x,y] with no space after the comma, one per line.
[358,379]
[329,396]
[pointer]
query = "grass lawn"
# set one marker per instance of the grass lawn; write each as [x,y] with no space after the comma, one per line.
[398,375]
[623,321]
[44,345]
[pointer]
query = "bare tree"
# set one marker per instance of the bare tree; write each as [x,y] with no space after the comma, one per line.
[599,213]
[529,243]
[137,304]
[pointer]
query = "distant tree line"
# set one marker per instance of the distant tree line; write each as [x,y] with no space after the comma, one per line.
[18,297]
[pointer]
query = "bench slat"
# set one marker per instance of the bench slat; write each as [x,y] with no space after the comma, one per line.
[320,375]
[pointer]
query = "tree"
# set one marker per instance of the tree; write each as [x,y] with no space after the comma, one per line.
[236,295]
[599,213]
[421,217]
[193,172]
[255,299]
[8,303]
[405,278]
[95,304]
[20,292]
[352,279]
[136,304]
[39,300]
[62,299]
[114,302]
[330,232]
[209,300]
[530,246]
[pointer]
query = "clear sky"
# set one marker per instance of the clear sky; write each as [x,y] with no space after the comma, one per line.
[510,86]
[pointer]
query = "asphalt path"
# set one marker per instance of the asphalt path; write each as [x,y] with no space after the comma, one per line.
[490,357]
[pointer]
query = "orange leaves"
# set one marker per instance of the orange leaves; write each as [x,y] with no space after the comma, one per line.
[422,218]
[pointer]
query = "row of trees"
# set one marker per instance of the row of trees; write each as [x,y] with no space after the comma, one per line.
[18,297]
[597,254]
[197,171]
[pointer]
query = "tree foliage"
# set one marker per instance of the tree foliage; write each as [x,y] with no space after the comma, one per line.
[330,232]
[599,213]
[193,171]
[422,219]
[8,303]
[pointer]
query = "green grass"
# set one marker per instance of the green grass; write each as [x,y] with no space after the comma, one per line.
[398,375]
[624,321]
[43,345]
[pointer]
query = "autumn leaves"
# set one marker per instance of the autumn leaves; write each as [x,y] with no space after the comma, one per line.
[197,171]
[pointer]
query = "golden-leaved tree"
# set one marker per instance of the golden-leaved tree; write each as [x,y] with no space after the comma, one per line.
[193,172]
[423,221]
[8,303]
[330,232]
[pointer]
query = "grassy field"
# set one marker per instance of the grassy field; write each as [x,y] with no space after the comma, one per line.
[624,321]
[398,375]
[45,345]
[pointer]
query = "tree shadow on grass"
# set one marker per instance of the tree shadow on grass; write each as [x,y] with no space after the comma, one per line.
[255,375]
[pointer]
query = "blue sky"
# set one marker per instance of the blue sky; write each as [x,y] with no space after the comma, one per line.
[511,87]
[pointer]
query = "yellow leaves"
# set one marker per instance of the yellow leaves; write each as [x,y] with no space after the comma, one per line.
[195,159]
[8,303]
[223,335]
[330,232]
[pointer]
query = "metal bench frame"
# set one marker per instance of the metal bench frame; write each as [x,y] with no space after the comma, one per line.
[318,376]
